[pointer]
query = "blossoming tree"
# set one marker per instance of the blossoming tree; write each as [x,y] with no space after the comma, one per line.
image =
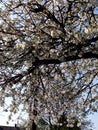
[49,58]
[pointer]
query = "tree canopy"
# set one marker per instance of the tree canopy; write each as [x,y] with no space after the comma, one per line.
[49,58]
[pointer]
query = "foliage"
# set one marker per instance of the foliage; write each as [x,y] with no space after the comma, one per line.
[49,58]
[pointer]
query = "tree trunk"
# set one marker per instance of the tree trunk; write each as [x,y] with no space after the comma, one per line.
[34,127]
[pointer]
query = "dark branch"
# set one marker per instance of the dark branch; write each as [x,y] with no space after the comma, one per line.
[38,62]
[17,128]
[49,15]
[83,56]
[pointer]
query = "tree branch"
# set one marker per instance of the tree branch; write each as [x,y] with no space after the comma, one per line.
[15,79]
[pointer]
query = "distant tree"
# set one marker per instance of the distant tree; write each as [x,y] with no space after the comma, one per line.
[63,124]
[49,58]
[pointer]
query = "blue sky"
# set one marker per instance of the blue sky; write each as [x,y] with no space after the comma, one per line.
[94,119]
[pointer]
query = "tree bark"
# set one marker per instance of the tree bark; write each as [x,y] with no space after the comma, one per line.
[34,127]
